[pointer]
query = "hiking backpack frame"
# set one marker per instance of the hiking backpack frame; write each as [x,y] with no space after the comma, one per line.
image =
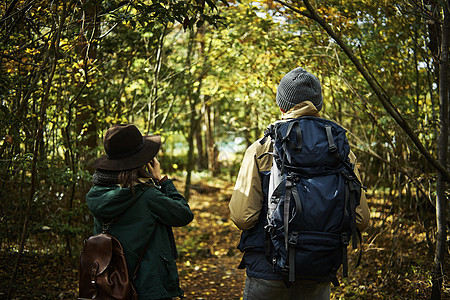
[312,198]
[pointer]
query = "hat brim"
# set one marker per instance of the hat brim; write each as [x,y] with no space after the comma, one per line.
[140,158]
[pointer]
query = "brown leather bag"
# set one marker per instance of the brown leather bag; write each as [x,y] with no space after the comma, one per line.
[103,270]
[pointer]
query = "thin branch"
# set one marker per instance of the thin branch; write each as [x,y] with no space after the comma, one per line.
[18,61]
[295,9]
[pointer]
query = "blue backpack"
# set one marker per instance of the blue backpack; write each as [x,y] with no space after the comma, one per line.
[312,196]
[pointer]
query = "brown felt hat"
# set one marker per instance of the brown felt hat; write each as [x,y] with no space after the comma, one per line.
[127,149]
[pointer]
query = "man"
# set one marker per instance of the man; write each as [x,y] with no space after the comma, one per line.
[299,94]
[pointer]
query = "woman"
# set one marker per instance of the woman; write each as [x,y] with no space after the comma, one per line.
[139,207]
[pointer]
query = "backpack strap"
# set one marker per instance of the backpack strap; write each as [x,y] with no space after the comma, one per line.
[105,227]
[268,132]
[358,262]
[266,153]
[331,145]
[352,196]
[298,203]
[350,202]
[287,204]
[334,280]
[291,240]
[291,255]
[288,143]
[139,261]
[333,150]
[350,191]
[350,206]
[299,136]
[345,242]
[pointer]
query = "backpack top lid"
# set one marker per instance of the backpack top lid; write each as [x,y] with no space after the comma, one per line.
[97,251]
[308,147]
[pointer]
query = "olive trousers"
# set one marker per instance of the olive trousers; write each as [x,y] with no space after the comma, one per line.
[262,289]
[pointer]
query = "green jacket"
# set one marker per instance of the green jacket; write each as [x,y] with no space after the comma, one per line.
[150,217]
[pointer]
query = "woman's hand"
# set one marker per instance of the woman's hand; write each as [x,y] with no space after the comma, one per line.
[154,168]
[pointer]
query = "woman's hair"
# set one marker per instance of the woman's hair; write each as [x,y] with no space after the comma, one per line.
[128,178]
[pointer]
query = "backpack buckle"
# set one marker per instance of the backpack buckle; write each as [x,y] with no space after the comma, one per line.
[349,176]
[269,229]
[331,145]
[289,184]
[344,239]
[292,241]
[290,180]
[268,132]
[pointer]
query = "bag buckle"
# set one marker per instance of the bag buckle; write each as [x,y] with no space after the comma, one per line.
[269,229]
[344,239]
[292,241]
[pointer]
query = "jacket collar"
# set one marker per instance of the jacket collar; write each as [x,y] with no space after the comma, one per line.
[305,108]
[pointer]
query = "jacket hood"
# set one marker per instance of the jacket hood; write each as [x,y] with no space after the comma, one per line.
[108,202]
[305,108]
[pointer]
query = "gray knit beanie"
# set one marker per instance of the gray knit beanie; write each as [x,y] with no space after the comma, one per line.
[298,86]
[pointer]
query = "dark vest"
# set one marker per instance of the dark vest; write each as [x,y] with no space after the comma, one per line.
[253,243]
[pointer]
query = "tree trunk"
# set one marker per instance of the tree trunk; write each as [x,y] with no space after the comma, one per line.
[153,113]
[213,165]
[202,161]
[194,121]
[193,117]
[441,201]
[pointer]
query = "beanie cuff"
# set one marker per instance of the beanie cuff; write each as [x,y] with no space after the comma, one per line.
[297,86]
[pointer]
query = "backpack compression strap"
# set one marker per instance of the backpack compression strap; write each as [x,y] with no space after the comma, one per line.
[333,150]
[287,204]
[291,241]
[350,201]
[291,189]
[287,142]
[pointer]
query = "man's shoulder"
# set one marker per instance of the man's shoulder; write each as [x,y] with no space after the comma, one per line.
[260,146]
[256,150]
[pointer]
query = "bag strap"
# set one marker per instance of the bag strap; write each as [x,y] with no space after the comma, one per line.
[287,143]
[286,210]
[268,132]
[331,145]
[298,203]
[291,255]
[345,242]
[139,261]
[333,150]
[350,200]
[107,225]
[297,147]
